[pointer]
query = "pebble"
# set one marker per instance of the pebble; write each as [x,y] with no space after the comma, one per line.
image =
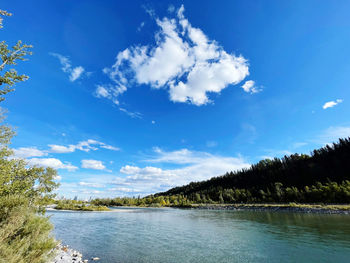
[68,255]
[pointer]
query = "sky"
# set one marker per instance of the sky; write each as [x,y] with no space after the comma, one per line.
[129,98]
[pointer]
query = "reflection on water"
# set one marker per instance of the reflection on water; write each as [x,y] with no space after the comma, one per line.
[176,235]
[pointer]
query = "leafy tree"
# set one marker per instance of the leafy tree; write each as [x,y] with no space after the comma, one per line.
[9,57]
[25,233]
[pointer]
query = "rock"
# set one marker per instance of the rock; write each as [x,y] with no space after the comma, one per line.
[67,255]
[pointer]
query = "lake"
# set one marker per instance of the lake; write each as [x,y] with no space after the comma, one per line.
[166,235]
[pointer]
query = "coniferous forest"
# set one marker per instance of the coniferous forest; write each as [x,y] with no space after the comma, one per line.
[322,177]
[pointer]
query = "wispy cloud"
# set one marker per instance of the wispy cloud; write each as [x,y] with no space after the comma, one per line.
[331,104]
[332,134]
[85,146]
[76,73]
[73,72]
[52,162]
[94,185]
[25,152]
[135,115]
[183,60]
[141,26]
[193,166]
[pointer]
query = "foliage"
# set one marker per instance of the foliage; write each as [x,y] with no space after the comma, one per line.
[25,234]
[321,177]
[9,57]
[79,206]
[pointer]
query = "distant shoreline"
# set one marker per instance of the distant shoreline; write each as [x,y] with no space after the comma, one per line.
[298,208]
[291,207]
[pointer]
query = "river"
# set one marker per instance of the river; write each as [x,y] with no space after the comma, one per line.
[165,235]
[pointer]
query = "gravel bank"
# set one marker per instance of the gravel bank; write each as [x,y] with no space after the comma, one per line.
[68,255]
[273,208]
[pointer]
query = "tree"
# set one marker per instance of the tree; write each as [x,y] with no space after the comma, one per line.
[9,57]
[25,233]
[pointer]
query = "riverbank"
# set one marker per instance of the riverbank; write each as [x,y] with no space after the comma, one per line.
[64,254]
[67,255]
[291,207]
[77,207]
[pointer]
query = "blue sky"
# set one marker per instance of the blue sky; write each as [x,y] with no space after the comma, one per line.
[135,97]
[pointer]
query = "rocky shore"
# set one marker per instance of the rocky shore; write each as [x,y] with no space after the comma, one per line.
[67,255]
[277,208]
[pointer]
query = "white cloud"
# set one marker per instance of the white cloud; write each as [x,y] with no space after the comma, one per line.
[332,134]
[331,104]
[194,166]
[52,162]
[74,73]
[135,115]
[250,87]
[65,62]
[92,164]
[141,26]
[85,146]
[94,185]
[183,60]
[299,144]
[153,122]
[102,92]
[109,147]
[61,149]
[25,152]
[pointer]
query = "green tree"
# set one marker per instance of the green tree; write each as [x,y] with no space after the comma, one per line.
[9,57]
[25,233]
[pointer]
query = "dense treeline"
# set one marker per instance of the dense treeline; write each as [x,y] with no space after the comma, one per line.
[321,177]
[149,201]
[76,205]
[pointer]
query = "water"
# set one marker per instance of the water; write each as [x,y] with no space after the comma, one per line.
[177,235]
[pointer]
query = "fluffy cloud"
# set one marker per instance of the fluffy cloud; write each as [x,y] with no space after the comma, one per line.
[250,87]
[92,164]
[194,166]
[85,146]
[331,104]
[51,162]
[74,72]
[183,60]
[25,152]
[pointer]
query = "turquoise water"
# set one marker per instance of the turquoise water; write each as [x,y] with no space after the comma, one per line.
[179,235]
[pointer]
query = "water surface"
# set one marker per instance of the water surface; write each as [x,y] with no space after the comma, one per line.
[140,235]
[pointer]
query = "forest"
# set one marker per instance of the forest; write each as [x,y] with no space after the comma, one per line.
[322,177]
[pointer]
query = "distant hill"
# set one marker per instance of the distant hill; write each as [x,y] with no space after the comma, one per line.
[322,176]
